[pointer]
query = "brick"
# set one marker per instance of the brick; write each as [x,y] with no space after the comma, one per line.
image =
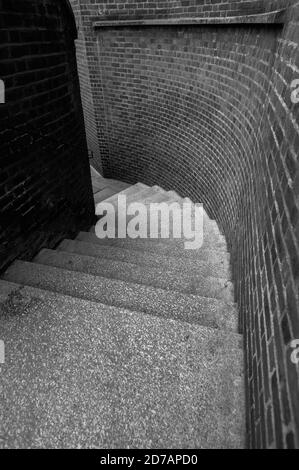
[42,98]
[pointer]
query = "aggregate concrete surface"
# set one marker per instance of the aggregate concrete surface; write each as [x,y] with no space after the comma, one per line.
[85,375]
[170,304]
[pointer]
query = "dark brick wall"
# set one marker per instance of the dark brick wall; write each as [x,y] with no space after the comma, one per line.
[206,110]
[45,186]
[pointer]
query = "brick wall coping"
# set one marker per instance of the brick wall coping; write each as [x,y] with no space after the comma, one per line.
[276,17]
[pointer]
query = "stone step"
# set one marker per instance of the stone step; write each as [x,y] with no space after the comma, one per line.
[167,247]
[106,193]
[102,182]
[206,263]
[168,279]
[78,374]
[171,196]
[158,196]
[154,257]
[191,308]
[94,172]
[131,193]
[99,184]
[145,196]
[210,232]
[117,184]
[113,189]
[206,235]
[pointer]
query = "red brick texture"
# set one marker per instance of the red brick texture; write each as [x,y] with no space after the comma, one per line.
[45,184]
[206,110]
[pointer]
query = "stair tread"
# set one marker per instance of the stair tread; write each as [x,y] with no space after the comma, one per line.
[97,185]
[160,276]
[154,195]
[95,174]
[158,195]
[144,194]
[210,236]
[207,263]
[116,184]
[109,191]
[155,301]
[151,257]
[211,233]
[98,179]
[172,247]
[130,192]
[101,376]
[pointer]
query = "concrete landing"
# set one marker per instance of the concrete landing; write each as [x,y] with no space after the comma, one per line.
[84,375]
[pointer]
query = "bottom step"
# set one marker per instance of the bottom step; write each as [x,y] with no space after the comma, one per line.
[83,375]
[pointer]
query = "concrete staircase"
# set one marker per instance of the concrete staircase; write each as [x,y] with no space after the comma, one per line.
[122,343]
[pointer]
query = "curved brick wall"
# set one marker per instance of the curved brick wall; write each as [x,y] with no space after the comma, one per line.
[183,106]
[119,9]
[206,110]
[45,187]
[88,11]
